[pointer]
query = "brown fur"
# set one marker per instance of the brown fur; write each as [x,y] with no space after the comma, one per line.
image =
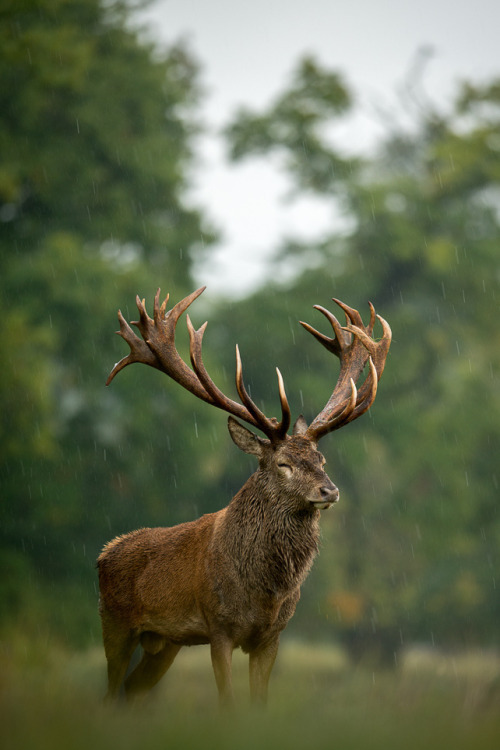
[231,579]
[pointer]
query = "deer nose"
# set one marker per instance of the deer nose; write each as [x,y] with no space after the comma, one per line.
[329,494]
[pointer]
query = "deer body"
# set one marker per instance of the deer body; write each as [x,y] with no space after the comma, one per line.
[231,578]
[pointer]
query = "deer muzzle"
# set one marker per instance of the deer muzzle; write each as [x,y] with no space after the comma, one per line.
[328,494]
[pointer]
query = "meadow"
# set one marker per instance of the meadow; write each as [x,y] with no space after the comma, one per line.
[51,698]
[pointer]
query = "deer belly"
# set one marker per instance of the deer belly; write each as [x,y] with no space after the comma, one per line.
[190,629]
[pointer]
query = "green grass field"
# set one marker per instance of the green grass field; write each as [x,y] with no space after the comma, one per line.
[52,699]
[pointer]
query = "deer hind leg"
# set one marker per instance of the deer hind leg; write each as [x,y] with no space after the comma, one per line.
[157,658]
[119,644]
[261,662]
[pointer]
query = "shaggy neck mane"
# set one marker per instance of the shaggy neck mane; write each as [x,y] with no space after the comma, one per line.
[271,543]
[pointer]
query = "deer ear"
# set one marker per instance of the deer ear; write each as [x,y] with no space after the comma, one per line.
[300,426]
[244,439]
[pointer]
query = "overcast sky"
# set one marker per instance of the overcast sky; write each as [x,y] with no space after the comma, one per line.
[247,51]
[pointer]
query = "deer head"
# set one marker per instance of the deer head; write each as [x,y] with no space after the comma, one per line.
[292,467]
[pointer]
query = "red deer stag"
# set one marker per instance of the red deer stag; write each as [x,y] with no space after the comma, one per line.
[231,578]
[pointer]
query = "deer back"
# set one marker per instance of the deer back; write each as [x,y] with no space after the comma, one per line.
[156,570]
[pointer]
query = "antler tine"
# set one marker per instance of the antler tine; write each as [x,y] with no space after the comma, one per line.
[341,414]
[333,345]
[271,427]
[373,317]
[139,350]
[286,415]
[351,314]
[367,392]
[219,399]
[159,310]
[361,348]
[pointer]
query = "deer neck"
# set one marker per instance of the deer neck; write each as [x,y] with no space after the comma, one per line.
[272,544]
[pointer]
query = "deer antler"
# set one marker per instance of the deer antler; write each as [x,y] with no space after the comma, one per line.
[157,349]
[354,346]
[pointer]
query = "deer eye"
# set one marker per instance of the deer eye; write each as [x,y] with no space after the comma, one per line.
[285,468]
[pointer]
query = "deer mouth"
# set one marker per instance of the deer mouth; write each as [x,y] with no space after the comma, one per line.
[328,498]
[321,505]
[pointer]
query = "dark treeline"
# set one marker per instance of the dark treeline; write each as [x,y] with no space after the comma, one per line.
[96,132]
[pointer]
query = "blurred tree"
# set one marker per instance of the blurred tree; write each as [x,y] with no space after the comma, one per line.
[294,128]
[96,131]
[417,537]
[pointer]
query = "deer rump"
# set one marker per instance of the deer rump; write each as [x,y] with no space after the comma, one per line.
[231,578]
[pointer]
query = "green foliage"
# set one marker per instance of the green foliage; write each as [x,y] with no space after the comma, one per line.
[293,127]
[94,132]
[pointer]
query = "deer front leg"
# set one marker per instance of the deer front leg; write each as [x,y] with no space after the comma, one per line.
[221,651]
[261,662]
